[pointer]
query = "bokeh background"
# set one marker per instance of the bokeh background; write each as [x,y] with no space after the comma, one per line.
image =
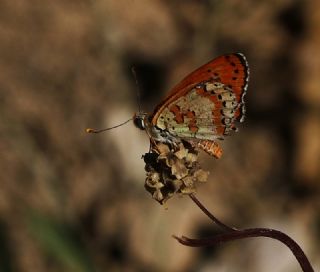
[70,201]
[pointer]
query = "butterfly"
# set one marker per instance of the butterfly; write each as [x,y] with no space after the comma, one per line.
[203,107]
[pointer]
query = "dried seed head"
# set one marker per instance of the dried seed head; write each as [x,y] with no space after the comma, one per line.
[172,169]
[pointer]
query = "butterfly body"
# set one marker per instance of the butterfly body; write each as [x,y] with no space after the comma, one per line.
[203,107]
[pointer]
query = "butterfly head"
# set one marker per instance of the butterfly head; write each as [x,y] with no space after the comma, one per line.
[140,119]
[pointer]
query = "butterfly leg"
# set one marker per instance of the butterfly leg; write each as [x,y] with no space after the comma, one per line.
[150,145]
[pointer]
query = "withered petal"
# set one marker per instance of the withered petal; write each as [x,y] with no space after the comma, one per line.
[188,181]
[179,170]
[157,195]
[191,157]
[163,149]
[188,190]
[177,183]
[201,175]
[182,152]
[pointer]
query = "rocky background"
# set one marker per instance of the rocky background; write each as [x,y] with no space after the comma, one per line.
[70,201]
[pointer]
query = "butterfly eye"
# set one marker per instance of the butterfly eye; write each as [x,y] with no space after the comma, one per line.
[139,122]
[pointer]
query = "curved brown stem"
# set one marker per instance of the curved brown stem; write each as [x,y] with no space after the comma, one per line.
[235,234]
[210,215]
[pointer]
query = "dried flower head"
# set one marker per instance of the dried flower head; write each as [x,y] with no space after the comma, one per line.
[172,169]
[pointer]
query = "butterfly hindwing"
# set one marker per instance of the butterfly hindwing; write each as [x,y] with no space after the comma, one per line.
[207,111]
[231,70]
[206,103]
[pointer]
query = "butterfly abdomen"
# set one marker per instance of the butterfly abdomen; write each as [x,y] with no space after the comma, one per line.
[211,147]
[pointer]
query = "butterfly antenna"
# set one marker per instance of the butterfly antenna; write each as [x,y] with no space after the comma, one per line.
[133,70]
[91,130]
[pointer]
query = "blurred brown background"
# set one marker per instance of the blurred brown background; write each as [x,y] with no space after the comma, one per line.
[70,201]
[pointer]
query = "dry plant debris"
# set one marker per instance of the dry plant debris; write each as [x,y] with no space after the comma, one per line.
[172,169]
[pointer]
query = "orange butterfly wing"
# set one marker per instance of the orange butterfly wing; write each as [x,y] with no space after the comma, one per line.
[205,104]
[232,70]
